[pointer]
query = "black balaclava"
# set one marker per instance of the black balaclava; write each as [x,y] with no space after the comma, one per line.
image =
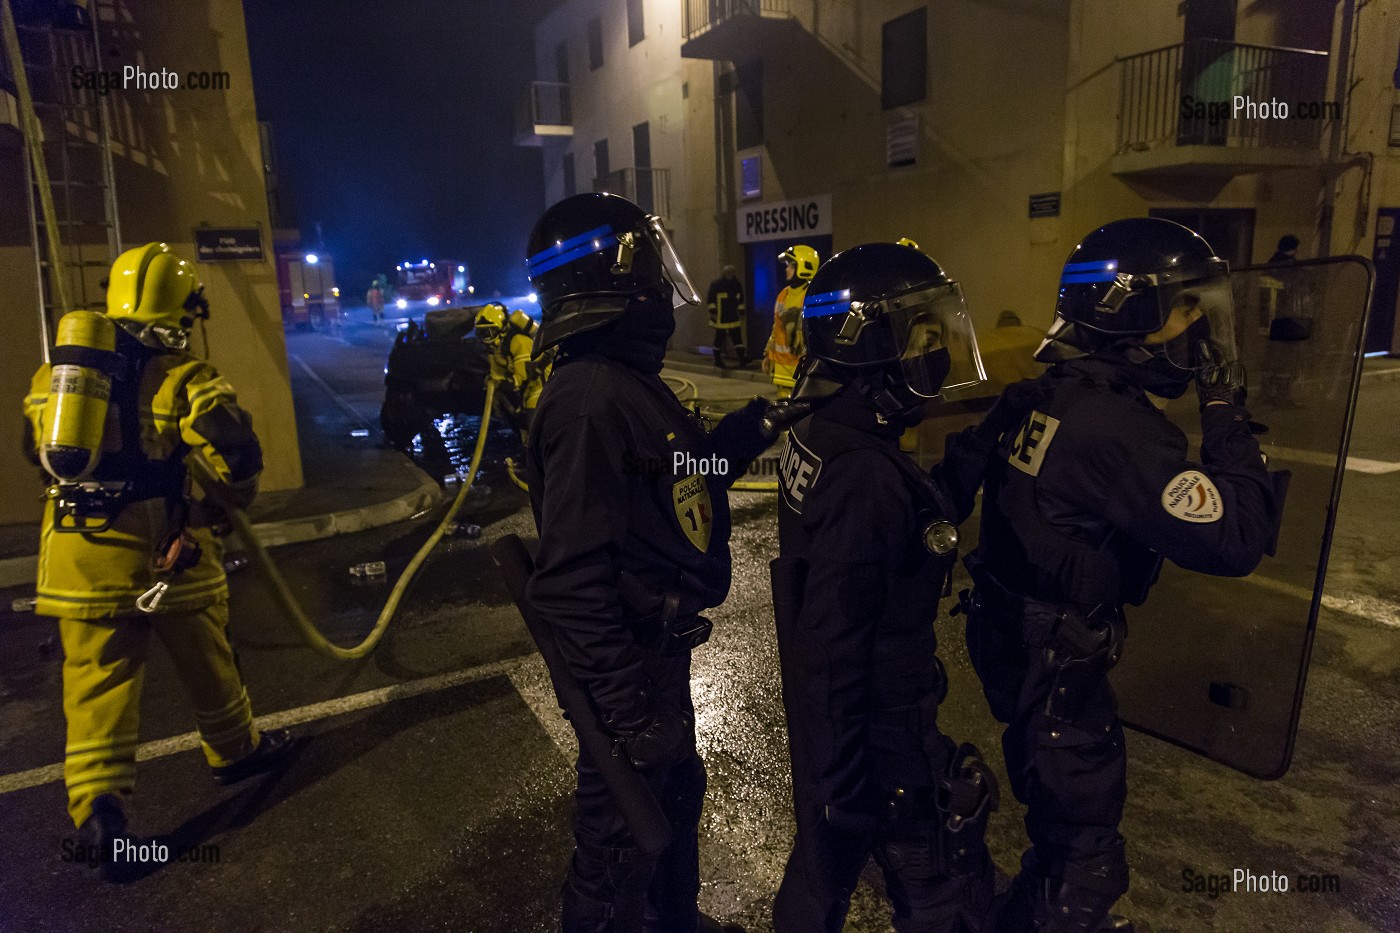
[1146,370]
[635,338]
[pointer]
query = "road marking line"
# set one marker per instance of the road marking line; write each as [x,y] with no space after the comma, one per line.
[341,403]
[22,780]
[1370,608]
[531,680]
[1318,458]
[1379,372]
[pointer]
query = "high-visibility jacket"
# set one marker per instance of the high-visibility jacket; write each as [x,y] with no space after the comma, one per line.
[172,404]
[786,346]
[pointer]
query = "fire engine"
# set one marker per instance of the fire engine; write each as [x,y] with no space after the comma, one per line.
[306,281]
[425,284]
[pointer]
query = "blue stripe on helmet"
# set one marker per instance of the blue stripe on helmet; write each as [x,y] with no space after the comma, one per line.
[1098,265]
[1086,277]
[571,248]
[827,303]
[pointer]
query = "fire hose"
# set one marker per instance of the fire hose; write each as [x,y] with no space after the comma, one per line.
[287,602]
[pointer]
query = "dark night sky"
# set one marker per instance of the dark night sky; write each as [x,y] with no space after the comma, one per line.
[394,124]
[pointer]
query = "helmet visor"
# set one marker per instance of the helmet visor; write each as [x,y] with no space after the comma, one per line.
[671,263]
[1198,323]
[937,345]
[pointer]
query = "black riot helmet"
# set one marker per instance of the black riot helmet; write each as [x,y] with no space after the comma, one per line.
[1148,288]
[887,319]
[590,255]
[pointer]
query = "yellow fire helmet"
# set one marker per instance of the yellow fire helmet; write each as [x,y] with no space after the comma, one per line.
[490,321]
[804,258]
[157,292]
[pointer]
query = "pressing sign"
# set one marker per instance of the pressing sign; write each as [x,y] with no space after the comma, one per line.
[798,469]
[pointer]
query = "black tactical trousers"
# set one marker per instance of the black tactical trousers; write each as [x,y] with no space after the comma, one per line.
[931,889]
[614,887]
[1071,775]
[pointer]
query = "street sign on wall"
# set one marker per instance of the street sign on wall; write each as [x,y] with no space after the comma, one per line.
[228,244]
[784,220]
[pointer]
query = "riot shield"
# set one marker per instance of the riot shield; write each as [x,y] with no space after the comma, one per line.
[1217,664]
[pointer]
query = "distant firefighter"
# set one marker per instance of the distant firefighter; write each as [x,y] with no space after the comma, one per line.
[519,378]
[785,347]
[125,550]
[727,313]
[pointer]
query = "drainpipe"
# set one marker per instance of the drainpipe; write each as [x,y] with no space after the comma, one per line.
[1337,144]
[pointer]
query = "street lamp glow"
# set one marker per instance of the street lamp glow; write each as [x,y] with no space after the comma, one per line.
[461,268]
[534,298]
[312,259]
[401,304]
[471,289]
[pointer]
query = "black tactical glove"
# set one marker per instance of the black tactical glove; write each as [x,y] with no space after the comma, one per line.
[1218,379]
[660,741]
[1016,401]
[780,415]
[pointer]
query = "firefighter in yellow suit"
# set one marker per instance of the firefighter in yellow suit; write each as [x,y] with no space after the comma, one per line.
[510,338]
[785,347]
[162,404]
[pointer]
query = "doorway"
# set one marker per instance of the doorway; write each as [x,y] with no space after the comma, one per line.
[764,279]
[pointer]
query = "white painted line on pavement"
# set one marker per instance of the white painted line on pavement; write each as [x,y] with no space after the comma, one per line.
[1318,458]
[22,780]
[1379,372]
[1371,608]
[335,396]
[531,680]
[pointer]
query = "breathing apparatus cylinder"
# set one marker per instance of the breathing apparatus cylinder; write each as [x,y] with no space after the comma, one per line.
[76,411]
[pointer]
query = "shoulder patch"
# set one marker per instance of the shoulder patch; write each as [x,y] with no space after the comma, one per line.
[798,469]
[1192,497]
[1029,444]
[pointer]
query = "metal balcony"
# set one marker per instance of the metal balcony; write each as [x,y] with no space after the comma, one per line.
[1177,110]
[543,111]
[649,188]
[734,30]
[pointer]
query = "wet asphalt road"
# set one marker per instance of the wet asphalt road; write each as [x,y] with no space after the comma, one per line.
[448,808]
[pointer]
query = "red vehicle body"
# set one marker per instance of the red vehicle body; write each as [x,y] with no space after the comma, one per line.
[437,284]
[306,283]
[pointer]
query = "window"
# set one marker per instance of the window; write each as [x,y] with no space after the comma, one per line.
[570,183]
[748,105]
[902,141]
[904,60]
[595,43]
[636,29]
[751,177]
[600,159]
[561,63]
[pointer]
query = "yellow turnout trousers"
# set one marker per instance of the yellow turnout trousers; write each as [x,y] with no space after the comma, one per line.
[102,668]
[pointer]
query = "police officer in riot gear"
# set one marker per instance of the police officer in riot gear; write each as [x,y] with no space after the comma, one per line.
[867,542]
[1083,500]
[629,496]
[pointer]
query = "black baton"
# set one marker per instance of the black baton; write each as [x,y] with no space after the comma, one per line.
[629,789]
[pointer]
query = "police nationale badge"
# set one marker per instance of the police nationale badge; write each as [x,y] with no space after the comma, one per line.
[1192,497]
[691,497]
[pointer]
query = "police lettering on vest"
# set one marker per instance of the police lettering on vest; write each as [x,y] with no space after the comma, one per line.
[798,469]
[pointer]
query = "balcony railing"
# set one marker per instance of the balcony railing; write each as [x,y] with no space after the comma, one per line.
[1185,95]
[649,188]
[703,15]
[543,109]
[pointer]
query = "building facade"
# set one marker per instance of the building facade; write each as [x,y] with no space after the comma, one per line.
[993,134]
[182,158]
